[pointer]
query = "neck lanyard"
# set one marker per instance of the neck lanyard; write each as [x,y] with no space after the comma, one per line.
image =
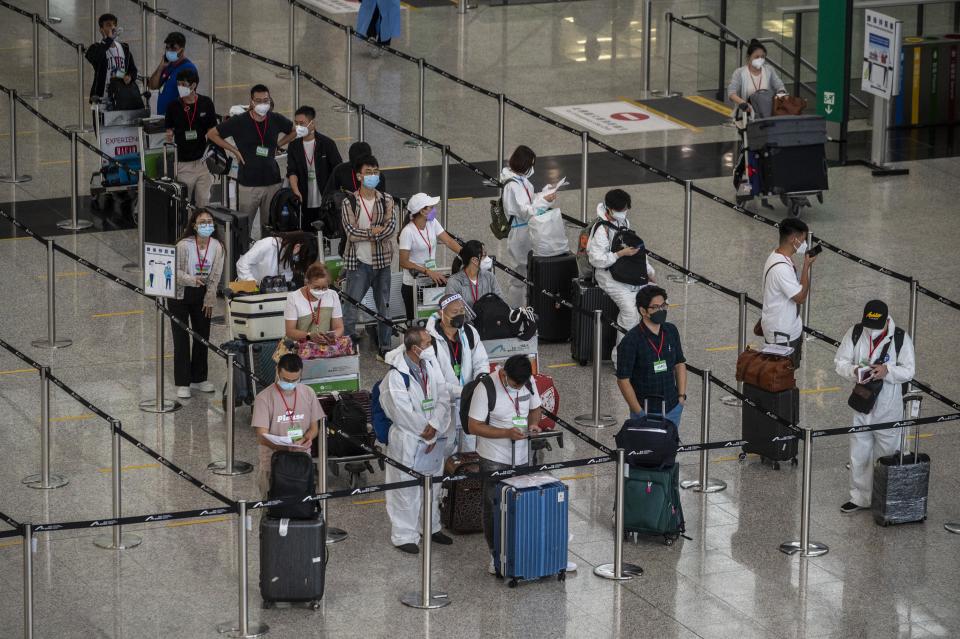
[756,85]
[515,402]
[311,157]
[874,343]
[186,112]
[288,411]
[314,312]
[365,210]
[655,348]
[456,348]
[256,125]
[201,261]
[425,240]
[525,190]
[474,290]
[424,381]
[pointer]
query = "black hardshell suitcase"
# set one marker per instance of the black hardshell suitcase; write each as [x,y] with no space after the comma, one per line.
[552,274]
[759,430]
[239,239]
[293,476]
[901,481]
[293,560]
[794,169]
[590,297]
[164,215]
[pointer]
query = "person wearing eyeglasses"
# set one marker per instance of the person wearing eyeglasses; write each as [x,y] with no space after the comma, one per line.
[650,361]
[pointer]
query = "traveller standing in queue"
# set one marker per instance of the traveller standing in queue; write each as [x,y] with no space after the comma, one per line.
[613,211]
[475,277]
[369,221]
[200,256]
[311,159]
[418,244]
[344,178]
[380,20]
[286,408]
[287,254]
[256,138]
[187,121]
[875,352]
[518,197]
[415,398]
[650,361]
[165,76]
[755,75]
[110,58]
[783,291]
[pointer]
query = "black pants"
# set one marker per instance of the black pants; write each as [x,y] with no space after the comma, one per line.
[190,364]
[374,28]
[797,345]
[407,292]
[310,215]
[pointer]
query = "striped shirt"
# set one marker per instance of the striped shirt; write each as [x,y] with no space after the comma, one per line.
[384,214]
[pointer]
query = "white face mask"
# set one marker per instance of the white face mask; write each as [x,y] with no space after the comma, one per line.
[183,91]
[427,354]
[486,263]
[802,248]
[261,109]
[758,63]
[619,215]
[302,131]
[318,292]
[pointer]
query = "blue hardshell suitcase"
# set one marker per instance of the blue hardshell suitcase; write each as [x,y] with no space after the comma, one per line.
[532,539]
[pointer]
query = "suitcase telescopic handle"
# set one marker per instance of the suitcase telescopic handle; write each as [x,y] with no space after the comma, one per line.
[908,401]
[166,146]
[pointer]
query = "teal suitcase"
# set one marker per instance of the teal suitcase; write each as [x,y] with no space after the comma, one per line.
[652,502]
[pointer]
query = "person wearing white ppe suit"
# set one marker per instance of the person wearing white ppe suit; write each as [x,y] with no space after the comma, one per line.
[520,203]
[874,356]
[414,395]
[462,356]
[613,210]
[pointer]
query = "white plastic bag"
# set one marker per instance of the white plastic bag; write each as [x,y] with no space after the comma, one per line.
[547,234]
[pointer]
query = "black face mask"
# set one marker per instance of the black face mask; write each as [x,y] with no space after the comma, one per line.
[659,317]
[457,321]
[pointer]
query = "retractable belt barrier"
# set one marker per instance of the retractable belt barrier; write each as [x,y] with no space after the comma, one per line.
[13,523]
[42,22]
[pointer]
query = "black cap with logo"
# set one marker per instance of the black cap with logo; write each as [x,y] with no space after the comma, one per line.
[875,314]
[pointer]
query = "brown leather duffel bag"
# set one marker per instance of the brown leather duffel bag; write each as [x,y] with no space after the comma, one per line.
[772,373]
[789,105]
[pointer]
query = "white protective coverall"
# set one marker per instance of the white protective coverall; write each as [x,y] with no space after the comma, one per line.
[472,362]
[866,447]
[602,258]
[520,203]
[403,405]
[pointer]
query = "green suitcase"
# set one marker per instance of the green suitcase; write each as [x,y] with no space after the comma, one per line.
[652,503]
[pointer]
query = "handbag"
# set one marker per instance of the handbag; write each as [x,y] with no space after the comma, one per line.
[863,397]
[499,223]
[772,373]
[308,349]
[284,346]
[789,105]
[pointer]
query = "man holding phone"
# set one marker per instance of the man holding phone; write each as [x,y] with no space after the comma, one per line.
[878,356]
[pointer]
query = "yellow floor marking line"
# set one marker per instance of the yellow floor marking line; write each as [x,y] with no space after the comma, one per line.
[660,114]
[367,502]
[812,391]
[67,274]
[73,418]
[233,86]
[397,168]
[15,542]
[717,349]
[53,162]
[7,135]
[208,520]
[133,467]
[458,199]
[576,477]
[563,365]
[57,71]
[713,105]
[736,458]
[14,239]
[17,371]
[117,314]
[408,7]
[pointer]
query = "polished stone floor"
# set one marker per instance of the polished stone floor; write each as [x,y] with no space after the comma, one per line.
[727,580]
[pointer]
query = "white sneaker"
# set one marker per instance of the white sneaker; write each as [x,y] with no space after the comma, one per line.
[204,387]
[571,567]
[491,568]
[183,392]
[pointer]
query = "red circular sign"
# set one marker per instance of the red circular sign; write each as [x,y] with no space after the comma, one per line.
[630,116]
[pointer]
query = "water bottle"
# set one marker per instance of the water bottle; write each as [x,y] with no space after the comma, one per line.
[284,218]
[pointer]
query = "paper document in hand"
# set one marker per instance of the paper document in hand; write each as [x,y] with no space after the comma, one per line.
[283,440]
[553,188]
[777,349]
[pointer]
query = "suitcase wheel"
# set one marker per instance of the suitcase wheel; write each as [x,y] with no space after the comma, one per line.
[775,465]
[794,461]
[512,583]
[668,541]
[582,362]
[741,457]
[267,605]
[562,575]
[315,605]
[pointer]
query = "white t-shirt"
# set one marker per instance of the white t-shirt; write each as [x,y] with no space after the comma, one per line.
[509,404]
[780,313]
[422,245]
[262,260]
[298,306]
[116,63]
[365,247]
[312,191]
[200,260]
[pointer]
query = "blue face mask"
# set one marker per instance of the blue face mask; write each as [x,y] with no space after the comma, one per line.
[171,56]
[205,230]
[287,386]
[371,181]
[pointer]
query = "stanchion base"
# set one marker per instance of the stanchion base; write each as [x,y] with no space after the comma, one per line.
[587,421]
[814,549]
[14,179]
[954,528]
[414,600]
[130,267]
[162,10]
[627,571]
[713,485]
[335,535]
[730,400]
[52,20]
[37,96]
[681,279]
[343,108]
[36,481]
[239,468]
[416,144]
[231,629]
[169,406]
[283,75]
[127,541]
[664,94]
[79,128]
[45,343]
[68,225]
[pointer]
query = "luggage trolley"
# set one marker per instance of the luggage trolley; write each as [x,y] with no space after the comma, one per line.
[783,156]
[355,465]
[118,137]
[426,295]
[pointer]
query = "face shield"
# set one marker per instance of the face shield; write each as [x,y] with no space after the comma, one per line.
[452,305]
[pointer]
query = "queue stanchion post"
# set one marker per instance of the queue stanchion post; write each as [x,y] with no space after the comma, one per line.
[704,484]
[348,73]
[361,122]
[687,233]
[162,10]
[912,314]
[334,535]
[14,176]
[212,65]
[501,130]
[51,340]
[143,35]
[159,404]
[618,571]
[952,528]
[730,400]
[296,86]
[117,539]
[427,598]
[49,19]
[228,252]
[242,628]
[28,581]
[229,466]
[141,204]
[82,100]
[804,546]
[74,223]
[647,48]
[229,27]
[291,41]
[444,185]
[809,302]
[668,59]
[37,93]
[595,419]
[421,105]
[45,479]
[584,180]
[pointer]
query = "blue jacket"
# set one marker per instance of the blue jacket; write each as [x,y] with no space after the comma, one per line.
[389,18]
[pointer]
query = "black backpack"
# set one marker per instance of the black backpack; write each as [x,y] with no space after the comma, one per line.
[124,97]
[285,213]
[493,318]
[350,417]
[467,396]
[630,269]
[650,441]
[292,475]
